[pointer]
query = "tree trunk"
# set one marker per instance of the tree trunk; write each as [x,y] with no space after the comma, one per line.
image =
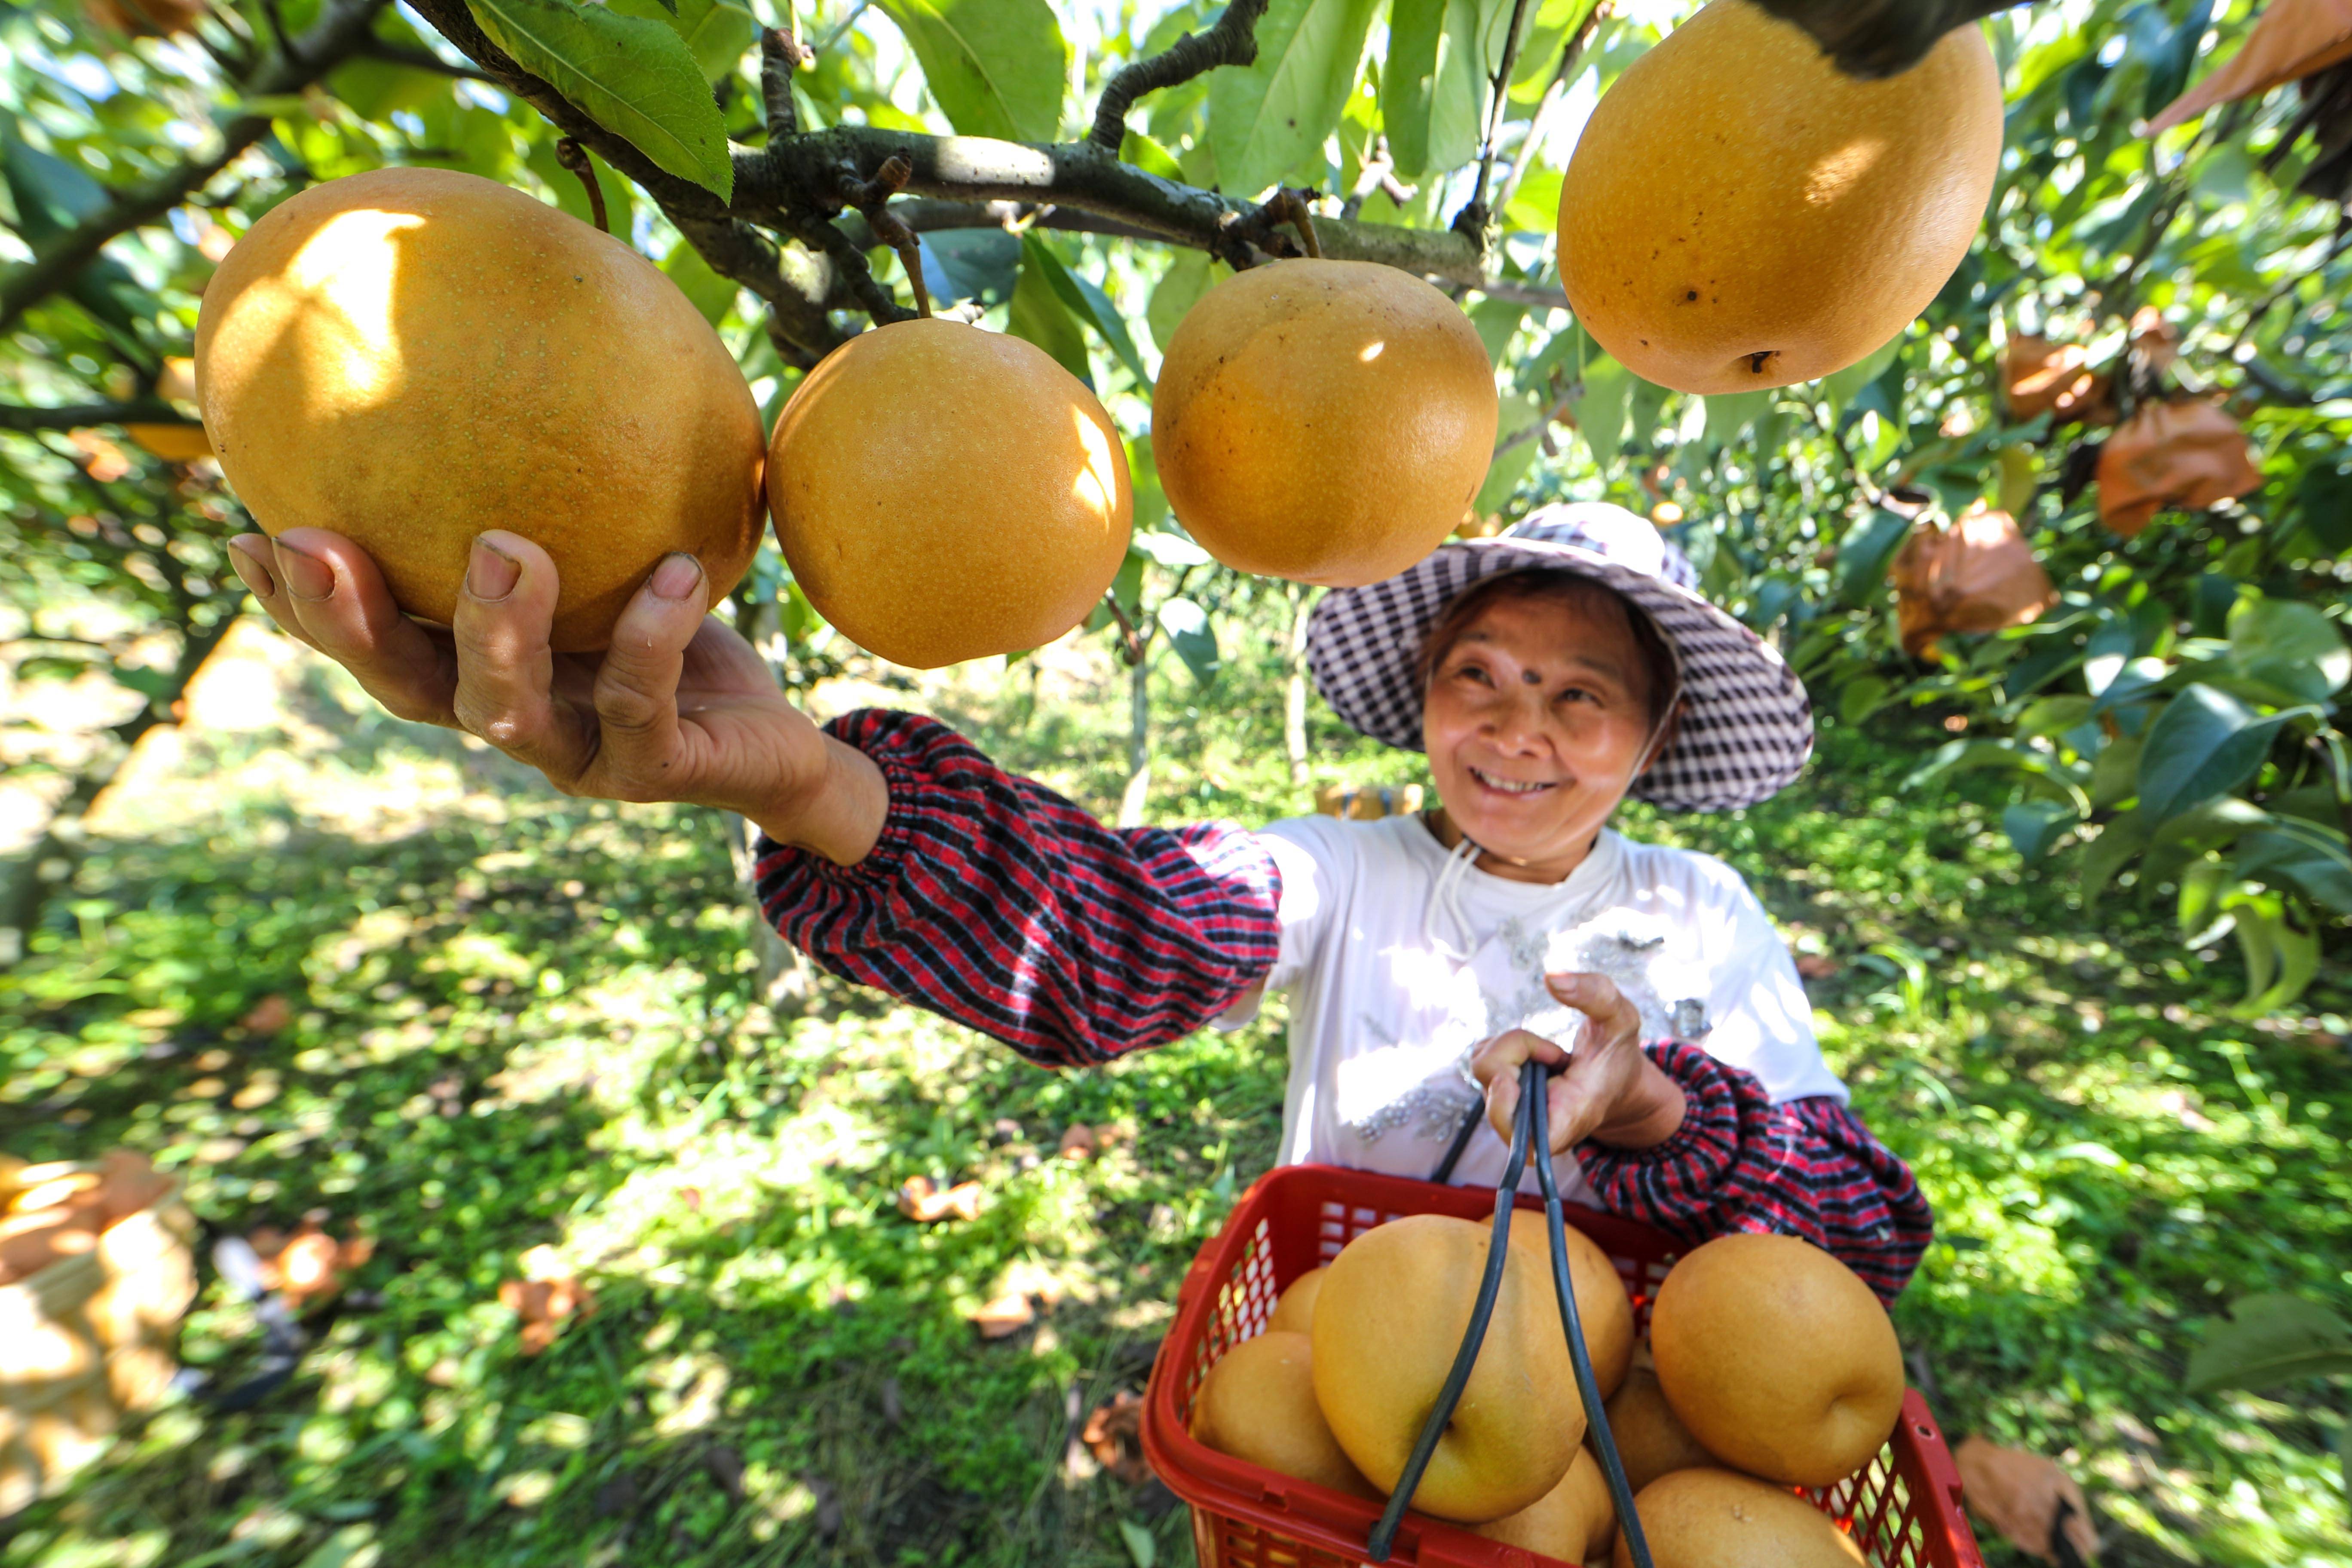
[1139,744]
[28,883]
[1294,705]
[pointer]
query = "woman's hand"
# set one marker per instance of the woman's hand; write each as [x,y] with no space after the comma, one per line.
[2018,1494]
[1611,1092]
[678,709]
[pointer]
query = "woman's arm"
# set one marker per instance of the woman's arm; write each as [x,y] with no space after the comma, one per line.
[990,899]
[1738,1163]
[1671,1136]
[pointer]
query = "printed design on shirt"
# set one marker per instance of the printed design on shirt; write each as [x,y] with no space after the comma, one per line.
[1424,1083]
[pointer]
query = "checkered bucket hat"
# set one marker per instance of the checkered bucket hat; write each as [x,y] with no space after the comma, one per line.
[1746,726]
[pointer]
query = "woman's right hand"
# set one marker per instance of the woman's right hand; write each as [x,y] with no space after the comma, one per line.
[679,707]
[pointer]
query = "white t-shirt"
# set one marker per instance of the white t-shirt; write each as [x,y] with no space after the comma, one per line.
[1399,968]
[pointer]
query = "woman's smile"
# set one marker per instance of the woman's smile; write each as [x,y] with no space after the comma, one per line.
[1510,786]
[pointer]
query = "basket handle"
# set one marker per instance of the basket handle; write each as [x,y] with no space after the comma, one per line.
[1534,1102]
[1531,1125]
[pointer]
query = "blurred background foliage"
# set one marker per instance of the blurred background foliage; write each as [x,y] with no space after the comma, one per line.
[2077,888]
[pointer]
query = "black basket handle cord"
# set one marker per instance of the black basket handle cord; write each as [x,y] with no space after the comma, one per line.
[1530,1125]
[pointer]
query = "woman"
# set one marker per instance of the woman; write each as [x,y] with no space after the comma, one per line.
[1547,673]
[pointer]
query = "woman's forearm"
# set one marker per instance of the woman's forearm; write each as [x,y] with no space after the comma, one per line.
[841,820]
[988,898]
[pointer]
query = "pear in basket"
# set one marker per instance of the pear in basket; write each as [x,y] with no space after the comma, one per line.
[1778,1358]
[1574,1521]
[1651,1438]
[1257,1403]
[1602,1304]
[1388,1325]
[1715,1519]
[1295,1312]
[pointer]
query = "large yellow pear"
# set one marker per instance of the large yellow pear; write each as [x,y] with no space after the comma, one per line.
[1573,1521]
[945,493]
[1778,1358]
[1259,1403]
[1651,1438]
[1601,1305]
[411,356]
[1715,1519]
[1388,1322]
[1294,1310]
[1740,213]
[1324,421]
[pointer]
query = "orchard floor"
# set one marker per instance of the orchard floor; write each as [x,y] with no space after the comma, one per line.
[513,1019]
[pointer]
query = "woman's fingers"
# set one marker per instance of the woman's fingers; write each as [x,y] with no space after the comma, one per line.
[636,689]
[506,671]
[1497,1065]
[325,591]
[1597,997]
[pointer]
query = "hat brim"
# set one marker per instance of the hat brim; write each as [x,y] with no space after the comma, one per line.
[1747,725]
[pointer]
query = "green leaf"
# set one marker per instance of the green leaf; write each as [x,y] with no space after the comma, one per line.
[1432,85]
[635,78]
[1847,384]
[1861,696]
[2205,743]
[718,34]
[1264,119]
[980,264]
[1039,316]
[1194,638]
[1150,156]
[2117,842]
[1087,302]
[1600,411]
[1866,552]
[2289,645]
[2115,775]
[1503,476]
[1728,414]
[2268,1341]
[1140,1547]
[1190,275]
[710,293]
[2034,826]
[996,66]
[1174,550]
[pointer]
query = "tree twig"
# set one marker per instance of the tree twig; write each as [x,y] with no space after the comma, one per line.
[1258,230]
[780,55]
[1539,124]
[574,157]
[339,31]
[79,415]
[1498,98]
[1232,40]
[1131,643]
[872,200]
[374,48]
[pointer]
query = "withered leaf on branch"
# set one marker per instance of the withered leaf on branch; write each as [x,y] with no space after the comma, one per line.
[2291,40]
[1979,575]
[2187,454]
[2038,377]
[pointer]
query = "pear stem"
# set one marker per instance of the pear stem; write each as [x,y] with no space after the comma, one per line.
[574,157]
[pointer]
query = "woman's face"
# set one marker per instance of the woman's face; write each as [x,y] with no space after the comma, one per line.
[1536,721]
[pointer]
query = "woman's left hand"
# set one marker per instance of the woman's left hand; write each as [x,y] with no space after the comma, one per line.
[1611,1092]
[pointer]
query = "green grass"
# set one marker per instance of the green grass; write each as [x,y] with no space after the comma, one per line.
[531,1020]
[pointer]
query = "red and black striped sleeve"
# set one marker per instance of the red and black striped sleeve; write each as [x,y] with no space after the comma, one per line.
[996,902]
[1738,1163]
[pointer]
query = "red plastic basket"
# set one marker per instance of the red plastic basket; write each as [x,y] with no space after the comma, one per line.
[1903,1510]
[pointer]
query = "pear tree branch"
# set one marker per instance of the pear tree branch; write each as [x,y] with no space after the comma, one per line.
[78,415]
[1232,40]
